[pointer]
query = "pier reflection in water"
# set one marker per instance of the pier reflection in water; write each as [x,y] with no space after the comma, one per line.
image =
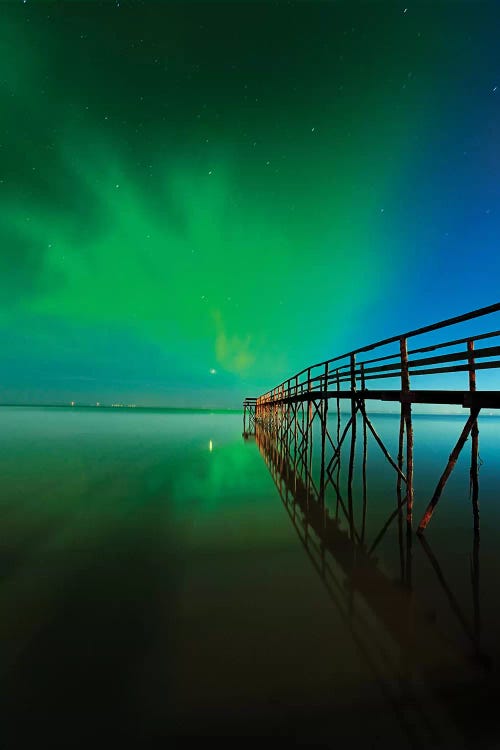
[412,606]
[153,587]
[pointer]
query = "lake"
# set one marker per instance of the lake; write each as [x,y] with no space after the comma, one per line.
[155,585]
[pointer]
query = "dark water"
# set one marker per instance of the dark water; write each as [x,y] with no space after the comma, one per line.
[154,586]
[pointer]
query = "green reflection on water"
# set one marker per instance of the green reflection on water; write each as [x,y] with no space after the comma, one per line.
[149,551]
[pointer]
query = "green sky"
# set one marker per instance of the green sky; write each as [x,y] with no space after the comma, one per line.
[238,187]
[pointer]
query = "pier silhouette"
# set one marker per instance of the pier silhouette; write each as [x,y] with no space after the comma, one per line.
[296,411]
[395,634]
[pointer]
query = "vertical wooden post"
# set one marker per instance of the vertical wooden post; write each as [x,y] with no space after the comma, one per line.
[474,479]
[475,590]
[304,448]
[338,442]
[276,414]
[324,413]
[309,411]
[279,414]
[365,444]
[309,434]
[283,413]
[310,454]
[406,410]
[295,407]
[338,407]
[398,495]
[295,449]
[353,447]
[305,440]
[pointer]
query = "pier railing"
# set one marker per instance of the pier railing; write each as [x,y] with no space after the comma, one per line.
[356,369]
[434,355]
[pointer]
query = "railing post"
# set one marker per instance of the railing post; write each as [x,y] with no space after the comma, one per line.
[406,414]
[309,436]
[338,442]
[277,409]
[365,444]
[309,410]
[398,495]
[353,446]
[287,408]
[323,436]
[474,480]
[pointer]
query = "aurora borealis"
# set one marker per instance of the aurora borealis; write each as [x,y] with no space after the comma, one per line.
[198,199]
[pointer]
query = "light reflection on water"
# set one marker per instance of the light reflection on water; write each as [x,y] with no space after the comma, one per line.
[154,584]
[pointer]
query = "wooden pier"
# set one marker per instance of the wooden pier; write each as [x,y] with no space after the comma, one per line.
[295,412]
[393,629]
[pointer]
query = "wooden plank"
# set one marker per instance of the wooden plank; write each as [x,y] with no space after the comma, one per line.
[490,351]
[485,399]
[434,347]
[436,370]
[455,342]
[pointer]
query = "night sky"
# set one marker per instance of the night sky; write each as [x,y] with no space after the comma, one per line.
[199,199]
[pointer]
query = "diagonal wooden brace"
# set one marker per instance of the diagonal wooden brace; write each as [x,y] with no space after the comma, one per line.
[449,468]
[379,441]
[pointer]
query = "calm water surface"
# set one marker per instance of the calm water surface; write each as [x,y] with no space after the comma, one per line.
[155,585]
